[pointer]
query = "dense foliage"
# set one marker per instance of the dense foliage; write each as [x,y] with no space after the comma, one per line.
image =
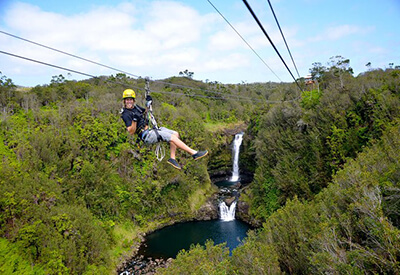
[351,227]
[326,181]
[301,145]
[77,191]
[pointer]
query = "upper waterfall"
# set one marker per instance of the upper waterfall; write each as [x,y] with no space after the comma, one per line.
[235,152]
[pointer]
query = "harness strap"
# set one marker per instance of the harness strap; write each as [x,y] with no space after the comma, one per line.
[159,138]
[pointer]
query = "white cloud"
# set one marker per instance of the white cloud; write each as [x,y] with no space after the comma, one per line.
[224,40]
[228,39]
[174,24]
[88,30]
[336,33]
[113,34]
[228,62]
[377,50]
[339,32]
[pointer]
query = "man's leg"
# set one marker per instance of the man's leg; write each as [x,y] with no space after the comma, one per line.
[172,147]
[177,143]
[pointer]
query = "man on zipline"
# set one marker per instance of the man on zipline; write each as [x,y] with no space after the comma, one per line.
[135,120]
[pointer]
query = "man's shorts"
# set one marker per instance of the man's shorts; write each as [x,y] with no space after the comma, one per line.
[151,137]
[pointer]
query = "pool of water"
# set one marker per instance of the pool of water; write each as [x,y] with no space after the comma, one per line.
[167,242]
[225,183]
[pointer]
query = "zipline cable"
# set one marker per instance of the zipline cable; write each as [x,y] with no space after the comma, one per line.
[47,64]
[69,54]
[276,19]
[130,85]
[262,60]
[269,39]
[106,66]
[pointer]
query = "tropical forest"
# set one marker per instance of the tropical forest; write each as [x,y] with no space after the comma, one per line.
[79,194]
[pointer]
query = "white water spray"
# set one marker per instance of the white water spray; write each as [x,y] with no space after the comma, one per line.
[235,152]
[227,213]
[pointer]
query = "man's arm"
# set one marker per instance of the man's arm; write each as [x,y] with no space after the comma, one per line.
[132,129]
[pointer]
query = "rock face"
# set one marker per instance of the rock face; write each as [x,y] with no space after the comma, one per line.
[242,213]
[209,210]
[229,201]
[236,130]
[139,265]
[220,165]
[220,173]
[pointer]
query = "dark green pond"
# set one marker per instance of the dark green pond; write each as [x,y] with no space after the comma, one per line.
[225,183]
[167,242]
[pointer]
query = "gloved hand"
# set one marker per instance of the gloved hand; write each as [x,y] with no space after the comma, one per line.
[149,100]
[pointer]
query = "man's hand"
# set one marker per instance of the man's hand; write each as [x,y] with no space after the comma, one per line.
[132,129]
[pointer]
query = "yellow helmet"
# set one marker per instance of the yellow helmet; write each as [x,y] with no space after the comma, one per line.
[129,93]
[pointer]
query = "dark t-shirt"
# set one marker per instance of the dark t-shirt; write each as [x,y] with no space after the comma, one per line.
[136,114]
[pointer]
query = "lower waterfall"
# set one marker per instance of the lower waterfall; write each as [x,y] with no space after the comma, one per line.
[227,213]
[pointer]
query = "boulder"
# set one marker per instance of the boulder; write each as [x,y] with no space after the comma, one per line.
[208,211]
[229,200]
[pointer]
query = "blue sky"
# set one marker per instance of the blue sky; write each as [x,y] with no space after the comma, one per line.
[161,38]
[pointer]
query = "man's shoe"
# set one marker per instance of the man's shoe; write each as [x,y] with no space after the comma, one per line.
[200,154]
[174,163]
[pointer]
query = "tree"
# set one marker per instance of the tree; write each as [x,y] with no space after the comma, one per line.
[339,67]
[186,73]
[7,90]
[317,71]
[57,79]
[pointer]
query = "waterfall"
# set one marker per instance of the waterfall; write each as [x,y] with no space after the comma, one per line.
[235,152]
[227,213]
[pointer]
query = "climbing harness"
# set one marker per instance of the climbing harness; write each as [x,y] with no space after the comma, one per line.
[160,150]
